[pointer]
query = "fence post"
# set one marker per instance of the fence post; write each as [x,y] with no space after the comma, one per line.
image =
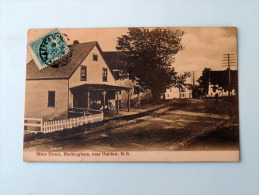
[52,126]
[56,122]
[41,123]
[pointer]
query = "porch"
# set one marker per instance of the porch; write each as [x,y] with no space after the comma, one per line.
[88,98]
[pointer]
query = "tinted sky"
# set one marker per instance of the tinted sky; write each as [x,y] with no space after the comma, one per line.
[203,46]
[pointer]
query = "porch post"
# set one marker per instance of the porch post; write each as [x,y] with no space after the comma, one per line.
[104,94]
[128,91]
[117,101]
[88,100]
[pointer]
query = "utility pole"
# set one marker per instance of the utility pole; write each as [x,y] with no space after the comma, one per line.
[229,60]
[193,85]
[193,81]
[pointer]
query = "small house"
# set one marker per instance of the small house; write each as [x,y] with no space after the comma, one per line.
[183,92]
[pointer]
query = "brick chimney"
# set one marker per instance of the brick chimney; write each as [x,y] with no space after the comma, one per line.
[76,42]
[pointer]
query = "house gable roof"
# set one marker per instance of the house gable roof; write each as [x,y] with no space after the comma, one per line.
[114,60]
[80,52]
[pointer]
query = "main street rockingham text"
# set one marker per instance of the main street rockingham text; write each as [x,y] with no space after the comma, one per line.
[79,154]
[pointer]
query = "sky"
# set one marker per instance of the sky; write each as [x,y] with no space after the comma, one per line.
[203,46]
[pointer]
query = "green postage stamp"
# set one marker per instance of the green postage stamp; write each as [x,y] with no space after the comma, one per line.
[48,48]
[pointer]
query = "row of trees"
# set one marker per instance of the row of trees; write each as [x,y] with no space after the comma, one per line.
[149,52]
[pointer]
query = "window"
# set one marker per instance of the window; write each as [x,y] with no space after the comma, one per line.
[83,73]
[95,57]
[116,74]
[51,99]
[104,74]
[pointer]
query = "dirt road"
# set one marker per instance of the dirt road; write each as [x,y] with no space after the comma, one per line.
[184,125]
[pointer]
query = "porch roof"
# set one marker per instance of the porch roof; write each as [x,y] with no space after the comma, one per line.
[101,87]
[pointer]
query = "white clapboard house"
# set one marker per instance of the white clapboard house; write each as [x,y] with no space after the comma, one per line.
[183,92]
[82,88]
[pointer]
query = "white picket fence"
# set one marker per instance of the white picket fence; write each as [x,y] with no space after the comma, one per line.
[33,122]
[59,125]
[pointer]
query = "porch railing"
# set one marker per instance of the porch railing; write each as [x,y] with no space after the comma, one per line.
[82,111]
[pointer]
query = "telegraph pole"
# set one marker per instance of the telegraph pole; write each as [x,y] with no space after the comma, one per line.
[193,81]
[229,60]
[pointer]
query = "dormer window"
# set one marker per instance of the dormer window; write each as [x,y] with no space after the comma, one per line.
[83,73]
[95,57]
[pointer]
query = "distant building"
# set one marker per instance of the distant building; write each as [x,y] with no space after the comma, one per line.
[183,92]
[223,83]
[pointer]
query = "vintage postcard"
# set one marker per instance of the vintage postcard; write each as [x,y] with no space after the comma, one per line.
[160,94]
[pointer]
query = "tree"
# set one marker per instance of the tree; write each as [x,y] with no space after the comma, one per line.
[196,92]
[204,81]
[149,53]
